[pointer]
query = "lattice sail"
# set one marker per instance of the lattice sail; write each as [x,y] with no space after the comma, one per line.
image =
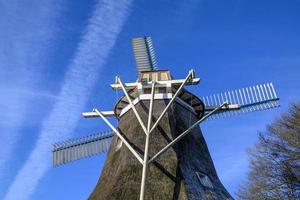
[249,99]
[144,54]
[78,148]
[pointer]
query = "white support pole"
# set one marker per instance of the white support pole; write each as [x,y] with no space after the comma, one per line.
[120,136]
[228,107]
[171,101]
[193,81]
[145,165]
[185,133]
[93,114]
[133,108]
[151,107]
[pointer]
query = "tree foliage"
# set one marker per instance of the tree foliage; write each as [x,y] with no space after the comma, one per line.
[275,161]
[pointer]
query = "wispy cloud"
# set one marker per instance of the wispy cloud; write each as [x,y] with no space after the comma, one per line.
[104,26]
[26,31]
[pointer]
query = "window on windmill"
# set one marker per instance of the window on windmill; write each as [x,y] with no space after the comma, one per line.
[147,90]
[119,144]
[162,90]
[145,77]
[164,76]
[204,180]
[154,76]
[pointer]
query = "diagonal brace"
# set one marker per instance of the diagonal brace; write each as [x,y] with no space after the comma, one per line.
[132,106]
[172,100]
[178,138]
[120,136]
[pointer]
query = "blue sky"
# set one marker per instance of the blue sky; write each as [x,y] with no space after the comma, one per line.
[57,59]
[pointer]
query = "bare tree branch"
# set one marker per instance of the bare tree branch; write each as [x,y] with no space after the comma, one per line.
[275,161]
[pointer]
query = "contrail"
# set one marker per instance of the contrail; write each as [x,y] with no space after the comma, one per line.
[104,26]
[26,31]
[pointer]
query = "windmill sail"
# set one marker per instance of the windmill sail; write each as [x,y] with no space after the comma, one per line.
[249,99]
[177,113]
[144,54]
[78,148]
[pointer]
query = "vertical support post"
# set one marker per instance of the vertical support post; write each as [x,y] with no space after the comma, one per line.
[145,163]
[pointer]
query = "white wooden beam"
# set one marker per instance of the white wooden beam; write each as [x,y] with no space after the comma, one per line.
[178,138]
[146,152]
[193,81]
[132,106]
[172,100]
[120,136]
[94,114]
[227,107]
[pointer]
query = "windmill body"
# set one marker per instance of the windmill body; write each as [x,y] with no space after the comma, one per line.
[185,171]
[158,151]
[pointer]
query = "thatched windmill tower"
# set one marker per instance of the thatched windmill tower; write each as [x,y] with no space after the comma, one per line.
[158,151]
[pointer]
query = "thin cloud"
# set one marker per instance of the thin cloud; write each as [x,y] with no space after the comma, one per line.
[26,31]
[104,26]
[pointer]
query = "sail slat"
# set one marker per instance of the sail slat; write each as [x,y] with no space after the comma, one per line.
[78,148]
[249,99]
[144,54]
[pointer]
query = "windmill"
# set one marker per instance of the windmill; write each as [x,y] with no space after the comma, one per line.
[158,151]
